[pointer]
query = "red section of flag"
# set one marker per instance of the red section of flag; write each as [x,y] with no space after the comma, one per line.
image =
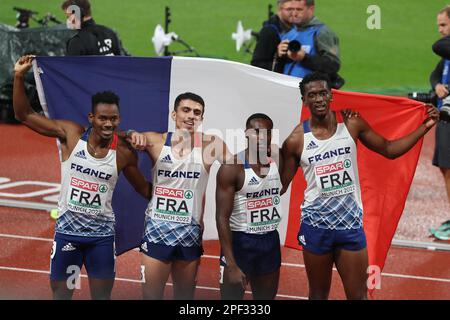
[384,183]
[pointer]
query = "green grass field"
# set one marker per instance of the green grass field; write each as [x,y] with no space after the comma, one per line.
[393,60]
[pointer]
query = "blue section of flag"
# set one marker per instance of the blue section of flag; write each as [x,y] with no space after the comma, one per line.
[143,85]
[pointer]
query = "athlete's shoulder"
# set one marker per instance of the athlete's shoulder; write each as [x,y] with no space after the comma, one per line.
[296,135]
[123,144]
[72,129]
[231,171]
[125,149]
[293,144]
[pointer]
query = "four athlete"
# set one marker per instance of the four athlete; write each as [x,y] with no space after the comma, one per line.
[248,206]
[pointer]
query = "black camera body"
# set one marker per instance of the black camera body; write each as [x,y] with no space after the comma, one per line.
[425,97]
[431,97]
[294,46]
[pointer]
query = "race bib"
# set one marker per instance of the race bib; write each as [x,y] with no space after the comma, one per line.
[174,205]
[86,197]
[335,179]
[263,214]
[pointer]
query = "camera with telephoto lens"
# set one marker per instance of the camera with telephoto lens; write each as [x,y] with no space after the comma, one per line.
[431,97]
[294,46]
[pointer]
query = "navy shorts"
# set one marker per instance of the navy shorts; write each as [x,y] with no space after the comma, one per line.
[255,254]
[441,157]
[70,252]
[322,241]
[165,252]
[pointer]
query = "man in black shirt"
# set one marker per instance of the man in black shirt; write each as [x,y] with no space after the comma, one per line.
[440,80]
[91,39]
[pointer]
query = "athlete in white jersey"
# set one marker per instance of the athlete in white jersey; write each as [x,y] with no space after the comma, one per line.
[91,161]
[172,242]
[248,211]
[331,230]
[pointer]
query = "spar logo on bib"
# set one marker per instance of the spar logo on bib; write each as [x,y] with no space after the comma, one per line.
[188,194]
[347,163]
[336,178]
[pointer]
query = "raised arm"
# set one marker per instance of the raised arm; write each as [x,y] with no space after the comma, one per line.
[25,114]
[226,182]
[392,149]
[290,154]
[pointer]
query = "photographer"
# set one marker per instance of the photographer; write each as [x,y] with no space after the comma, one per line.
[310,46]
[91,39]
[273,29]
[440,79]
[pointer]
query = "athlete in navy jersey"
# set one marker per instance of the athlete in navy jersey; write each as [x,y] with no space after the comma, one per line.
[331,230]
[90,163]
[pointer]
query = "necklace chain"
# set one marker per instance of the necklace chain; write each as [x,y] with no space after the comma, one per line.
[92,148]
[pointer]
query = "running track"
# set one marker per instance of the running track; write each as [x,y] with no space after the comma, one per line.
[26,238]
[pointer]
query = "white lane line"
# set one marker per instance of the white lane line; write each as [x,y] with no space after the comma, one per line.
[24,270]
[139,281]
[13,236]
[293,265]
[27,205]
[395,275]
[51,188]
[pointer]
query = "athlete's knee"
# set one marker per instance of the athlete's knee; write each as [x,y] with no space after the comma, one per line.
[101,288]
[265,295]
[184,291]
[231,292]
[101,295]
[318,294]
[60,290]
[357,295]
[152,292]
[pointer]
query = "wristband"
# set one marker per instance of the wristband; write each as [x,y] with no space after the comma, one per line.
[129,132]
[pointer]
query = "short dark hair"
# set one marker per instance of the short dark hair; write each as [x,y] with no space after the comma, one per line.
[315,76]
[258,116]
[308,3]
[84,5]
[189,96]
[104,97]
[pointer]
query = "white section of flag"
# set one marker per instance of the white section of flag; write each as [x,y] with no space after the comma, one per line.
[232,92]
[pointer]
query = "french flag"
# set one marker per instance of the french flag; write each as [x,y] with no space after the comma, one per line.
[147,88]
[232,91]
